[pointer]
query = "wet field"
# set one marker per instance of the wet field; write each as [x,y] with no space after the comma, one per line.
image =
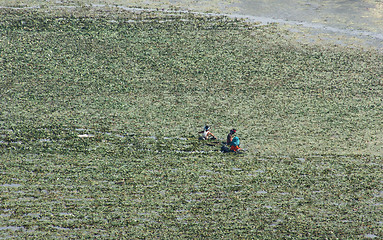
[352,23]
[101,105]
[348,23]
[343,22]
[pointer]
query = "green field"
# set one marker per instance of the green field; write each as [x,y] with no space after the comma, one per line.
[100,109]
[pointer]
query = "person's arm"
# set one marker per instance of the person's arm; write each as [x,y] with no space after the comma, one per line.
[229,139]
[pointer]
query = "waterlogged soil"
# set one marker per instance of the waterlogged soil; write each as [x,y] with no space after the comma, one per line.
[357,15]
[351,23]
[101,106]
[351,20]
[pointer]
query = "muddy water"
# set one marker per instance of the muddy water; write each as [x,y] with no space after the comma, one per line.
[344,14]
[347,21]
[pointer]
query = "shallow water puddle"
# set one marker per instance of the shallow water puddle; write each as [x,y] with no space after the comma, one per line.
[151,137]
[370,236]
[261,192]
[276,223]
[45,140]
[33,215]
[11,185]
[85,135]
[347,221]
[13,228]
[62,228]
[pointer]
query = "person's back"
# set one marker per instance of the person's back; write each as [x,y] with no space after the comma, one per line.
[230,136]
[206,133]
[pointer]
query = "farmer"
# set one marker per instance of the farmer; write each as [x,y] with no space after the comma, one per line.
[234,145]
[230,136]
[206,133]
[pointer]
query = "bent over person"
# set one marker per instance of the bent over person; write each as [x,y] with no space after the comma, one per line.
[206,133]
[230,136]
[234,145]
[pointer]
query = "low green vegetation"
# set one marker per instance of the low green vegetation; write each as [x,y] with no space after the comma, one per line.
[100,109]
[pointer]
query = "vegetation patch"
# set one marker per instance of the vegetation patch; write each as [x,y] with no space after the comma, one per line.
[100,109]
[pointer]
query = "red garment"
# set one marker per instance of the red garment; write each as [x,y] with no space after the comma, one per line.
[234,148]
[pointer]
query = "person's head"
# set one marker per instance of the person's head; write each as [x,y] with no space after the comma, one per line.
[232,131]
[207,128]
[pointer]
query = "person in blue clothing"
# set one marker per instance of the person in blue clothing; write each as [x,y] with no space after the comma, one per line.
[234,145]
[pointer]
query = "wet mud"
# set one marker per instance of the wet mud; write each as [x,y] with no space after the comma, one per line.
[341,22]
